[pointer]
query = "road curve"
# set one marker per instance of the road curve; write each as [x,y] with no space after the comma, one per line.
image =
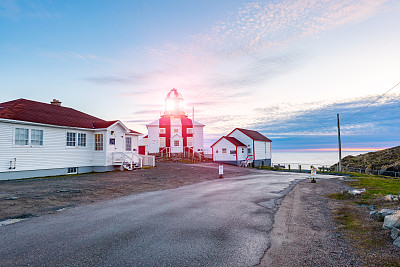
[224,222]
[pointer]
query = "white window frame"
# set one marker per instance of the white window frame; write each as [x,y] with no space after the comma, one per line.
[179,143]
[79,139]
[29,139]
[224,150]
[41,137]
[163,143]
[69,133]
[162,130]
[176,130]
[97,142]
[26,130]
[189,130]
[189,141]
[128,143]
[72,170]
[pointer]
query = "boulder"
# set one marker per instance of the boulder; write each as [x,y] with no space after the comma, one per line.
[396,242]
[386,212]
[391,220]
[394,233]
[390,197]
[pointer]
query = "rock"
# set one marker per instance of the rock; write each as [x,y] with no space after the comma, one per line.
[397,242]
[372,212]
[397,223]
[371,207]
[386,212]
[390,197]
[394,233]
[391,220]
[357,191]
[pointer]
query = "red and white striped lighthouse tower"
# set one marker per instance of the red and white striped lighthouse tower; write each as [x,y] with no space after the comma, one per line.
[174,132]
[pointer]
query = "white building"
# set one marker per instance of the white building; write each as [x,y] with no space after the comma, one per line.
[39,139]
[243,146]
[174,132]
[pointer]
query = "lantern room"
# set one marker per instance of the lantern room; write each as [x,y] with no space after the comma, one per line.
[174,105]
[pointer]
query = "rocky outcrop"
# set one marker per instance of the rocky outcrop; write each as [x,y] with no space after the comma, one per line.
[387,160]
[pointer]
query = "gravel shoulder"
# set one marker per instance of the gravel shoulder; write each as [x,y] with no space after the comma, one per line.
[35,197]
[304,233]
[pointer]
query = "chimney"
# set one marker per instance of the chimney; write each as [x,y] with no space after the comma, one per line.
[55,102]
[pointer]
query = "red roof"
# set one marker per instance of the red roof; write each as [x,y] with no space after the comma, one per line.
[134,132]
[33,111]
[253,135]
[233,140]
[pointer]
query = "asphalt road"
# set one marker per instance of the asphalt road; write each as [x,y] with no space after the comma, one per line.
[225,222]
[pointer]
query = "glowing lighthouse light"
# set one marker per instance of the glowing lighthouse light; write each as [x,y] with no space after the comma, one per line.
[174,104]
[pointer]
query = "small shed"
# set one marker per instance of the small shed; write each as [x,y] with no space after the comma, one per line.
[229,150]
[242,146]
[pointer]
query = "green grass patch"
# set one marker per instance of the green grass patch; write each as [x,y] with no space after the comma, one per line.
[341,196]
[376,186]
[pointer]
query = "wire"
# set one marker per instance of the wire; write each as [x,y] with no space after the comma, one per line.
[355,114]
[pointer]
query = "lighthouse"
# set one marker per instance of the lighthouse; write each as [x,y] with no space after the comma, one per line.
[174,131]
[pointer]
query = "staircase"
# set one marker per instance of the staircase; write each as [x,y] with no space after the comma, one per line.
[128,161]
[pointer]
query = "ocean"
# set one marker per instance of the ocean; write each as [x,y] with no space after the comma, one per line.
[310,158]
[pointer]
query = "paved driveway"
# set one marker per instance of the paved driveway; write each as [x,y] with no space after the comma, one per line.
[224,222]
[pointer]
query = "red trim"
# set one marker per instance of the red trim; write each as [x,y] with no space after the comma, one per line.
[236,154]
[226,140]
[254,152]
[248,135]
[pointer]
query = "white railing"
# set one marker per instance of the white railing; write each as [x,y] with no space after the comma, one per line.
[127,158]
[149,160]
[167,151]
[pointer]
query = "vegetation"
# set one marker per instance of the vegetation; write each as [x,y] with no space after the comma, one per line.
[388,159]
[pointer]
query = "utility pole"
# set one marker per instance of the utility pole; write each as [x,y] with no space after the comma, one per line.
[340,145]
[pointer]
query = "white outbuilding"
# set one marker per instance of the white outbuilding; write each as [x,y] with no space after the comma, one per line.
[241,147]
[39,139]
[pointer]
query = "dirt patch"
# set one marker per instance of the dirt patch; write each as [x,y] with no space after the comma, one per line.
[373,244]
[34,197]
[304,233]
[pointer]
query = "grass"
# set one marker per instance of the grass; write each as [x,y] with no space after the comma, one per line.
[372,243]
[376,186]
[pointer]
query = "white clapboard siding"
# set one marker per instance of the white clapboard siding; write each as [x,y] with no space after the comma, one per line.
[198,138]
[217,151]
[153,139]
[262,150]
[53,154]
[243,138]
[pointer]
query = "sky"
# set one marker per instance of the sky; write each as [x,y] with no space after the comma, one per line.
[283,68]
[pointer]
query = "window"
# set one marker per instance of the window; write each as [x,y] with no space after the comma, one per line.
[176,130]
[176,142]
[36,137]
[71,139]
[249,151]
[242,150]
[128,143]
[82,139]
[190,141]
[72,170]
[162,141]
[21,136]
[232,152]
[98,142]
[189,130]
[162,130]
[24,138]
[224,150]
